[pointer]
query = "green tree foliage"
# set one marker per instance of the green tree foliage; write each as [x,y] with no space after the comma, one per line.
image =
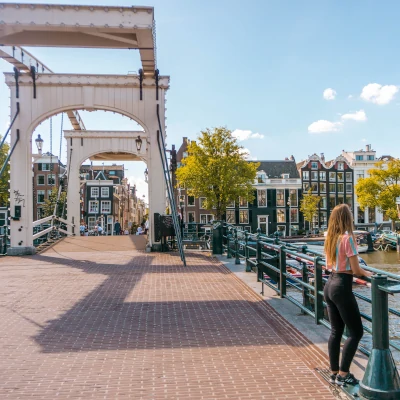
[381,188]
[309,206]
[48,207]
[216,169]
[4,185]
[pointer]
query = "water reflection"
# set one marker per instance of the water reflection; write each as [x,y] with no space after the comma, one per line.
[386,260]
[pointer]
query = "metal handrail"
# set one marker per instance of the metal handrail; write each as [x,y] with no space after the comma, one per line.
[276,264]
[11,124]
[9,155]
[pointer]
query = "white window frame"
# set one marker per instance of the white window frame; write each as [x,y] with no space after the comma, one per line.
[321,185]
[283,191]
[292,203]
[93,207]
[44,180]
[281,211]
[314,175]
[229,220]
[245,201]
[243,212]
[285,176]
[349,185]
[46,168]
[43,192]
[322,175]
[231,205]
[103,209]
[258,198]
[49,176]
[206,217]
[306,175]
[91,222]
[340,166]
[105,190]
[296,220]
[314,164]
[194,201]
[93,190]
[201,200]
[333,178]
[194,217]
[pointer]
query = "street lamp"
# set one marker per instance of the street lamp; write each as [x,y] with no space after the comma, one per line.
[138,144]
[146,175]
[39,144]
[289,203]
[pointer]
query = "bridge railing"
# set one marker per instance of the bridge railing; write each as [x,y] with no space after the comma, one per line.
[287,268]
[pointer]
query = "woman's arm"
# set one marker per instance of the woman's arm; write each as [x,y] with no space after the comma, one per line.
[355,267]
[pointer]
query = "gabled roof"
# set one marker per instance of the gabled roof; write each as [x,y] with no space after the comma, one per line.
[100,176]
[275,169]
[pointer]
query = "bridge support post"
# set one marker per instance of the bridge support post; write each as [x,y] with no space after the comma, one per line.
[381,379]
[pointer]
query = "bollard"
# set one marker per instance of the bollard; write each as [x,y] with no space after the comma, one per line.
[228,245]
[319,298]
[282,268]
[246,251]
[304,275]
[381,379]
[237,260]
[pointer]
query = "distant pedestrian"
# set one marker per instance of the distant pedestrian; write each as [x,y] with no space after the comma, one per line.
[117,227]
[342,256]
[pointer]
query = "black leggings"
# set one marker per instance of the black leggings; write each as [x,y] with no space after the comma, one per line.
[342,310]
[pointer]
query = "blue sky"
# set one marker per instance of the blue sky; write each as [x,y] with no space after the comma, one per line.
[261,67]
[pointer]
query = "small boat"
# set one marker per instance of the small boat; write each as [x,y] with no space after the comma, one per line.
[390,238]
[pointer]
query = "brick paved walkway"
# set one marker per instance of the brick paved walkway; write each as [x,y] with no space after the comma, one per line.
[135,325]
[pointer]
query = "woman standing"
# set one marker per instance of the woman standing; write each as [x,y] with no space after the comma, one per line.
[342,256]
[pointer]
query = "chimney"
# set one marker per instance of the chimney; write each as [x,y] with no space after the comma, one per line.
[185,140]
[292,158]
[368,147]
[322,157]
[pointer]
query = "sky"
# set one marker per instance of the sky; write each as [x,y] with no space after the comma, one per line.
[287,77]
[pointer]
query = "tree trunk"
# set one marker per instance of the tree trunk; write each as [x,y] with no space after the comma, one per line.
[393,223]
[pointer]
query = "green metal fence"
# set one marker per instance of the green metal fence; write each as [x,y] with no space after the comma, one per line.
[283,266]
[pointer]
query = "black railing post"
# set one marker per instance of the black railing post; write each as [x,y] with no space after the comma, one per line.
[381,379]
[237,260]
[246,251]
[228,245]
[260,277]
[304,276]
[319,298]
[282,267]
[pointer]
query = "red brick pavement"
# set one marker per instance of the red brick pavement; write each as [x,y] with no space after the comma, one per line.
[135,325]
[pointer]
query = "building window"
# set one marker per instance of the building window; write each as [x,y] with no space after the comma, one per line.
[262,198]
[93,207]
[191,201]
[306,175]
[294,215]
[340,188]
[181,201]
[185,154]
[332,187]
[361,216]
[349,176]
[49,193]
[243,216]
[306,187]
[322,176]
[191,216]
[314,165]
[111,173]
[371,158]
[323,220]
[322,187]
[314,186]
[314,175]
[40,180]
[105,192]
[360,175]
[340,176]
[106,207]
[261,178]
[51,179]
[385,217]
[205,218]
[202,201]
[44,167]
[371,215]
[40,196]
[332,176]
[231,204]
[293,197]
[230,217]
[322,203]
[349,187]
[94,192]
[3,218]
[280,197]
[91,222]
[243,203]
[340,199]
[332,201]
[340,166]
[285,176]
[359,158]
[349,202]
[280,215]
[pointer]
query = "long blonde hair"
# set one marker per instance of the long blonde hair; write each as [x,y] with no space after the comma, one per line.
[340,222]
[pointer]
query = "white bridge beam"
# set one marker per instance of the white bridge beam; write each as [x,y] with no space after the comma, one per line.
[81,26]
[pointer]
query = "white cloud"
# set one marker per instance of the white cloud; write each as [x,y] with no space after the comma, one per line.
[242,135]
[350,96]
[378,94]
[247,154]
[141,187]
[329,94]
[324,126]
[356,116]
[363,140]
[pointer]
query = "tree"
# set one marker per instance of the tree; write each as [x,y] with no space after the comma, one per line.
[4,185]
[48,208]
[216,168]
[381,188]
[309,206]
